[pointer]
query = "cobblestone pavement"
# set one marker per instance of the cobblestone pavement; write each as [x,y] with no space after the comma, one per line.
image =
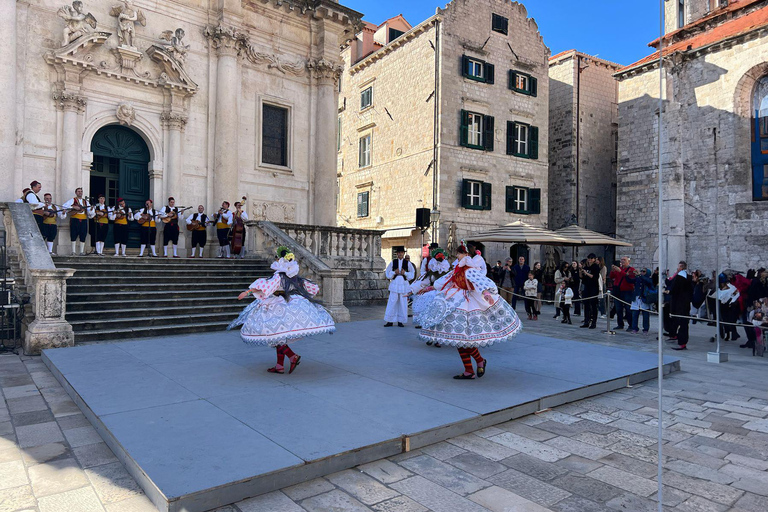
[596,454]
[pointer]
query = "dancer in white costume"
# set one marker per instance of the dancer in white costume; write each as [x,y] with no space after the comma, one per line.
[437,265]
[282,312]
[400,271]
[465,311]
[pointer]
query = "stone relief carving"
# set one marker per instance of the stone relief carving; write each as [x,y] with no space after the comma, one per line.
[173,120]
[321,68]
[78,23]
[274,212]
[126,114]
[68,101]
[229,40]
[127,17]
[172,42]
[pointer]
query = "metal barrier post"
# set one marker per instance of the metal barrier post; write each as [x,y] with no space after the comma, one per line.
[608,330]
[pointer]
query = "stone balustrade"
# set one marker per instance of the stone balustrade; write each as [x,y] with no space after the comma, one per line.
[45,325]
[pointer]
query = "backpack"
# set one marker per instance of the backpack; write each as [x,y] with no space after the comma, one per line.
[650,294]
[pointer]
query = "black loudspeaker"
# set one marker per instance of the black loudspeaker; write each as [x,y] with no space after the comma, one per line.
[422,217]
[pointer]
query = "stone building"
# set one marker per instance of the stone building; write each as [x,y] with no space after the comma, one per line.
[204,101]
[583,126]
[714,136]
[450,115]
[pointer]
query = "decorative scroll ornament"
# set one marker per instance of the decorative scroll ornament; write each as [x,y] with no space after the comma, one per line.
[78,23]
[126,114]
[229,40]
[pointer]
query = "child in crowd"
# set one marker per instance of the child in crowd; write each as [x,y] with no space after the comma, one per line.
[564,299]
[531,288]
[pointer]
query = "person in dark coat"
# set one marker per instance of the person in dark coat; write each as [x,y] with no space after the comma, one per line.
[680,298]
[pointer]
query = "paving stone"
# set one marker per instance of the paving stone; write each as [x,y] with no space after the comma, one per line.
[752,503]
[385,471]
[751,485]
[6,428]
[694,430]
[615,403]
[758,425]
[591,405]
[82,436]
[748,462]
[735,408]
[630,465]
[597,417]
[631,437]
[699,504]
[336,501]
[32,418]
[20,391]
[444,474]
[703,473]
[556,415]
[636,452]
[521,429]
[578,464]
[12,474]
[135,504]
[488,432]
[577,504]
[630,502]
[399,504]
[535,467]
[16,498]
[73,421]
[442,450]
[731,447]
[305,490]
[9,454]
[649,431]
[574,447]
[433,496]
[56,477]
[624,480]
[271,501]
[562,429]
[497,499]
[633,416]
[78,500]
[722,494]
[26,404]
[599,440]
[529,488]
[112,482]
[483,447]
[694,456]
[405,456]
[533,448]
[64,408]
[476,465]
[94,455]
[672,496]
[711,451]
[36,435]
[45,453]
[361,486]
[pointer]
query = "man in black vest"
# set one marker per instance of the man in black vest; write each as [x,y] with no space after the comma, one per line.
[199,232]
[590,276]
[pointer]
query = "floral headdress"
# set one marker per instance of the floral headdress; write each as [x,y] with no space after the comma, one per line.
[438,254]
[285,253]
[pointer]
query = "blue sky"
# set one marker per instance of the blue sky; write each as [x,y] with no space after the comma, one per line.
[616,30]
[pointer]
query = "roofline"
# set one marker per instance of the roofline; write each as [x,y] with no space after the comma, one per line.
[569,54]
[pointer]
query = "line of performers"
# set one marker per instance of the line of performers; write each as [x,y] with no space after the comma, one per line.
[230,225]
[456,306]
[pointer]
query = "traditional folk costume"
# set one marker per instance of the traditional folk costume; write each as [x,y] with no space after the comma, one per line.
[171,229]
[50,229]
[120,216]
[37,207]
[223,223]
[434,267]
[148,229]
[78,222]
[239,218]
[399,272]
[465,311]
[199,232]
[276,320]
[101,213]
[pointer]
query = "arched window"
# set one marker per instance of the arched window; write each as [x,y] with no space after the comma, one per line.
[760,141]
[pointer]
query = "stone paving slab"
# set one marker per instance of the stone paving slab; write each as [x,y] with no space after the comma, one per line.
[199,423]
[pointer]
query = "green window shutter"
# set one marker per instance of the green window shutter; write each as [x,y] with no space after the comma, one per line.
[512,79]
[510,138]
[534,200]
[464,129]
[465,188]
[510,199]
[464,65]
[359,152]
[534,86]
[488,133]
[533,143]
[359,205]
[489,73]
[486,196]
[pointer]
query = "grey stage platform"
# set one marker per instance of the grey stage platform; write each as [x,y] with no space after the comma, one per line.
[199,422]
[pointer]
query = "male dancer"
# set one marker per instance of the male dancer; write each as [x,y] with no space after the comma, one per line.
[199,232]
[399,272]
[78,220]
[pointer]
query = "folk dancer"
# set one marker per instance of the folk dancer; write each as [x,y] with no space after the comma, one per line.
[78,220]
[239,218]
[146,218]
[120,215]
[30,196]
[51,213]
[197,223]
[223,221]
[170,216]
[437,267]
[282,311]
[399,272]
[101,214]
[465,311]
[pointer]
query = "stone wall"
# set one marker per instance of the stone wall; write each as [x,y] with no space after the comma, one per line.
[704,92]
[365,287]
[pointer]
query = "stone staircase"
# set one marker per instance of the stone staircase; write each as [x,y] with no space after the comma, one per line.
[112,298]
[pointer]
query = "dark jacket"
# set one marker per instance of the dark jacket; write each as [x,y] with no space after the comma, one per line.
[521,274]
[681,295]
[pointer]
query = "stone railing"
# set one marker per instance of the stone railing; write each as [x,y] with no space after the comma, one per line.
[46,285]
[264,239]
[339,247]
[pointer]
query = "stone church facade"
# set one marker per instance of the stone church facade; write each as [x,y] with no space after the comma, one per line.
[715,139]
[480,158]
[203,101]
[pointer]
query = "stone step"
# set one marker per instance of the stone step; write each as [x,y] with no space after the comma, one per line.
[157,287]
[107,303]
[95,315]
[119,296]
[165,282]
[119,272]
[161,319]
[102,335]
[160,265]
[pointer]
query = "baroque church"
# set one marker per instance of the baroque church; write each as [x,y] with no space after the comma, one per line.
[203,101]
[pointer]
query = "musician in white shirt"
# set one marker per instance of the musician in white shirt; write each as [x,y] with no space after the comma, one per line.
[170,216]
[78,220]
[199,231]
[120,215]
[223,221]
[148,227]
[50,215]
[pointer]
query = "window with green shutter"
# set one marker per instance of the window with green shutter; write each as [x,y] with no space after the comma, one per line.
[523,83]
[366,98]
[523,200]
[473,195]
[534,201]
[362,204]
[500,24]
[474,131]
[522,140]
[486,188]
[477,70]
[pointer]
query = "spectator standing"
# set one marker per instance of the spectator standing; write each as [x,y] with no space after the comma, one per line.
[521,271]
[575,286]
[530,287]
[591,278]
[681,295]
[643,288]
[538,274]
[507,281]
[496,272]
[625,278]
[603,286]
[562,275]
[563,299]
[729,300]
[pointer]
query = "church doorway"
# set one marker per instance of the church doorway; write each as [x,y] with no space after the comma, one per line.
[120,169]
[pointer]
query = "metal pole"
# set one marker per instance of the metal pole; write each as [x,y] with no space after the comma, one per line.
[659,298]
[717,357]
[436,131]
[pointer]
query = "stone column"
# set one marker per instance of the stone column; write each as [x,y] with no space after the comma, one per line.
[326,76]
[49,329]
[8,100]
[72,107]
[225,160]
[175,123]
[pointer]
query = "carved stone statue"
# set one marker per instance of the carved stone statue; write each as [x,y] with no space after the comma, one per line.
[78,23]
[126,114]
[174,46]
[127,17]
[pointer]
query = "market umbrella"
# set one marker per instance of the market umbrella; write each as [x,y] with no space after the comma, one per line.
[588,237]
[521,232]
